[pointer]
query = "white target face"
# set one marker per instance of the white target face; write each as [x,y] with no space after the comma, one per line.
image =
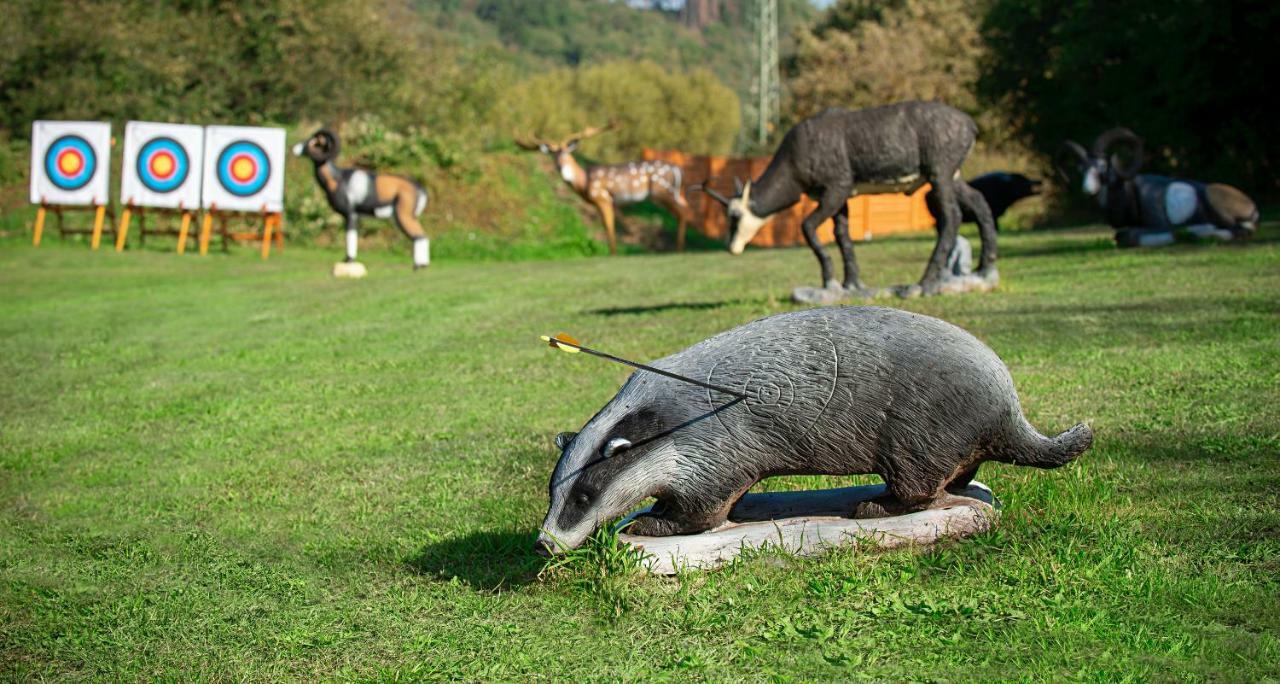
[70,162]
[243,168]
[788,381]
[162,165]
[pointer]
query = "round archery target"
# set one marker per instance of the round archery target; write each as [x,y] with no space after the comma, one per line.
[69,162]
[788,382]
[163,165]
[243,168]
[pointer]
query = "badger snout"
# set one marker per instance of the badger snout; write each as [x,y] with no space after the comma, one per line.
[543,548]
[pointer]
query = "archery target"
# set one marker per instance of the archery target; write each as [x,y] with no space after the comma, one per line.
[244,168]
[70,162]
[789,381]
[162,165]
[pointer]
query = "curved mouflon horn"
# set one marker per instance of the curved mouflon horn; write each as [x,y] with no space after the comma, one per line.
[1071,157]
[1112,136]
[710,192]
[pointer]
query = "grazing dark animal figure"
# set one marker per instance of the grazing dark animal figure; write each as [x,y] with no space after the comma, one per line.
[1146,209]
[829,391]
[1000,190]
[838,153]
[612,186]
[354,192]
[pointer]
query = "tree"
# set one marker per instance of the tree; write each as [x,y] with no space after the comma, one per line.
[1190,76]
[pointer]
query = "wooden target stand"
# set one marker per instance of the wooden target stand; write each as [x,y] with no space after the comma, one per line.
[271,222]
[182,232]
[101,212]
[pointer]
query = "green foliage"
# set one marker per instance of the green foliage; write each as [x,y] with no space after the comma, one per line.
[1190,76]
[228,469]
[653,107]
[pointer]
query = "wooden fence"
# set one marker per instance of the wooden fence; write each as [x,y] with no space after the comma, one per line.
[868,214]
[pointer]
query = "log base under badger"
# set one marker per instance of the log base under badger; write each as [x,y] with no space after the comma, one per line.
[810,523]
[349,269]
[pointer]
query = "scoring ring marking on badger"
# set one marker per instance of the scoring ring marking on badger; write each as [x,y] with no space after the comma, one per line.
[788,381]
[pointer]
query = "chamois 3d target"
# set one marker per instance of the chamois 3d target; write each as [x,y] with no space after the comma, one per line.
[828,391]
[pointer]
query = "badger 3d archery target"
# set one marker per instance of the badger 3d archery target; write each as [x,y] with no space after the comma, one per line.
[244,168]
[70,162]
[162,165]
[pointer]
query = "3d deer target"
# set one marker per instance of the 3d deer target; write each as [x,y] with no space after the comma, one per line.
[606,187]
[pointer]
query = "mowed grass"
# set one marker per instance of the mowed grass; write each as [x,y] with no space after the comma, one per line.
[235,469]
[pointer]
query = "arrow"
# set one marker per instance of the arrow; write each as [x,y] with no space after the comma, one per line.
[567,344]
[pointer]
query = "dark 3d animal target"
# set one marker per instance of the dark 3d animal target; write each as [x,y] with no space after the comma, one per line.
[829,391]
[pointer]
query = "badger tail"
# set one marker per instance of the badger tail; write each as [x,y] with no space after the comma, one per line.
[1030,448]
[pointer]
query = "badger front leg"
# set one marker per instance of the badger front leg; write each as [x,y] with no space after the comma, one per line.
[690,513]
[353,236]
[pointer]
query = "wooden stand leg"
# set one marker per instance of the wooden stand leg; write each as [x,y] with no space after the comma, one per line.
[182,232]
[97,227]
[39,231]
[268,222]
[206,226]
[124,230]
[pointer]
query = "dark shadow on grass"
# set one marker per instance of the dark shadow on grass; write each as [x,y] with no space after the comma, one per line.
[656,308]
[486,560]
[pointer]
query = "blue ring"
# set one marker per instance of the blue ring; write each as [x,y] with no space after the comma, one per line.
[81,179]
[254,185]
[179,158]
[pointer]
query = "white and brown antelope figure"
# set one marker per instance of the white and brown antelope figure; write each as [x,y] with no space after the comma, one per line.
[353,191]
[610,186]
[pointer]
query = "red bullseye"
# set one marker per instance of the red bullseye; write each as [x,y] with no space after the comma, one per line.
[243,168]
[163,165]
[70,162]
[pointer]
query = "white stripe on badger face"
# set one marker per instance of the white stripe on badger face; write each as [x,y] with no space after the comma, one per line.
[631,486]
[358,187]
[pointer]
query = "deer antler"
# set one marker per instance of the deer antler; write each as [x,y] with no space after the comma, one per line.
[529,143]
[590,132]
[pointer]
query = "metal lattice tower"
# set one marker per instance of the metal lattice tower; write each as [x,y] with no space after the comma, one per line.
[765,86]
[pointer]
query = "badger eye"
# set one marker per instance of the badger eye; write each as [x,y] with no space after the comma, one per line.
[583,499]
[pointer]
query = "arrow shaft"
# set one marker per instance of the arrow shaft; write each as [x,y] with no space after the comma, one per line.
[651,369]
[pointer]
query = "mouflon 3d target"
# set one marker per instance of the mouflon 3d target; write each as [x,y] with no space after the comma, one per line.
[243,168]
[162,165]
[70,162]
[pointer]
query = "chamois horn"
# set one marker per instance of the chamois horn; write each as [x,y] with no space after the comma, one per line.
[1119,134]
[710,192]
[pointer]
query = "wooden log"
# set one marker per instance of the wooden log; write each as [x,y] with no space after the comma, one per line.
[810,523]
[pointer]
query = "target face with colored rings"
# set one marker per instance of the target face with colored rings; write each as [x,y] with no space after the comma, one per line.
[243,168]
[163,165]
[70,162]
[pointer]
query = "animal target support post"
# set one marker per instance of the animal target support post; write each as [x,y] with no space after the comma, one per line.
[607,187]
[70,171]
[355,192]
[1147,210]
[243,172]
[161,173]
[838,153]
[827,391]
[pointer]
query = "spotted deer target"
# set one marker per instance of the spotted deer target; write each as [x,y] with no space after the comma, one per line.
[70,162]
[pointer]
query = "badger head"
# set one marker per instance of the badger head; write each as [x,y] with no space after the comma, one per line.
[620,458]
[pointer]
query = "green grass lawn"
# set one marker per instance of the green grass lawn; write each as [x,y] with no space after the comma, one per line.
[241,469]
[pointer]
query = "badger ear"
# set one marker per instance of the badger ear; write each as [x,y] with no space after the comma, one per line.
[615,446]
[563,439]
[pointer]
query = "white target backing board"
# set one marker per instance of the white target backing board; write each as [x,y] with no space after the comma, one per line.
[70,162]
[243,169]
[162,165]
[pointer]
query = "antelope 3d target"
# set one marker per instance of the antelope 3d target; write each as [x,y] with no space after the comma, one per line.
[243,169]
[162,165]
[70,162]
